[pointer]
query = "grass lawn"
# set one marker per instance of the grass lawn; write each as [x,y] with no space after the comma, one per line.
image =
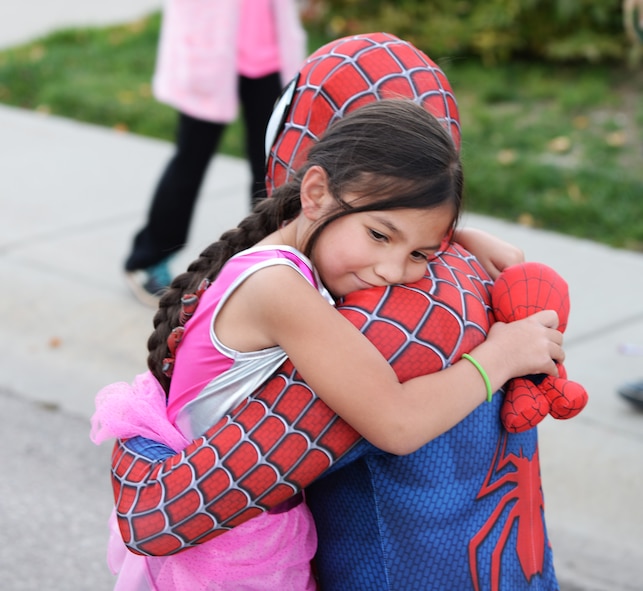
[550,146]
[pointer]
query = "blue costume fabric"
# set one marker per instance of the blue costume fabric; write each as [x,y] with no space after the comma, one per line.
[463,512]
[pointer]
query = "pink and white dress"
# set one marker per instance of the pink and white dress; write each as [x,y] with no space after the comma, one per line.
[272,550]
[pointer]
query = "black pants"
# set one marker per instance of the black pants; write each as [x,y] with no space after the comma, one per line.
[170,213]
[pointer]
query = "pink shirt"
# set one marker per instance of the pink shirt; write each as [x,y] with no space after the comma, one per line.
[257,47]
[209,378]
[205,44]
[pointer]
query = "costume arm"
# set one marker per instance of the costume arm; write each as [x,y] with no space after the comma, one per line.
[260,454]
[282,438]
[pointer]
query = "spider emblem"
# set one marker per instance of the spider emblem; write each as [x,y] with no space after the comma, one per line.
[523,500]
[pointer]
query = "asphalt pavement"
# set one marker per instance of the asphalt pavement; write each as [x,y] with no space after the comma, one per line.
[72,196]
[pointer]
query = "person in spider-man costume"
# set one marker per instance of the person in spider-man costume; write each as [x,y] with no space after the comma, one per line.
[466,511]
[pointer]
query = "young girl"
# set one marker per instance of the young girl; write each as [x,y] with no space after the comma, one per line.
[375,200]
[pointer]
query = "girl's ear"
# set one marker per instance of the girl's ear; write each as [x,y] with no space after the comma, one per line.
[316,197]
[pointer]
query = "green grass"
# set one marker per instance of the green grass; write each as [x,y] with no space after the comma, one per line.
[555,147]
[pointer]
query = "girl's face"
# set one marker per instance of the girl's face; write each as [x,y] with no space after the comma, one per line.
[379,248]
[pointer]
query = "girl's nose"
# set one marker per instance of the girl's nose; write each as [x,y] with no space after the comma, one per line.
[391,271]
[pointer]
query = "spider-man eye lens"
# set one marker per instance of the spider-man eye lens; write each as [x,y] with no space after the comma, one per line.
[279,115]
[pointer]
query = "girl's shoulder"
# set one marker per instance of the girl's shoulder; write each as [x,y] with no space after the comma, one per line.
[259,257]
[248,262]
[273,251]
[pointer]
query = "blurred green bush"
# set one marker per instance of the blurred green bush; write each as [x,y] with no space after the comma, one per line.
[495,30]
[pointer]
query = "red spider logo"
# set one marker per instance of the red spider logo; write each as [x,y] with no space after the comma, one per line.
[525,497]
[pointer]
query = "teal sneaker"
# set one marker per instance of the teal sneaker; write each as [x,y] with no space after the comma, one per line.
[148,285]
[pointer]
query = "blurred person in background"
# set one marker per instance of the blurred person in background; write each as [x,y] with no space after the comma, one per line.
[213,55]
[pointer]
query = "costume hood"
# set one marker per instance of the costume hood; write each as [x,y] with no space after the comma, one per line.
[342,76]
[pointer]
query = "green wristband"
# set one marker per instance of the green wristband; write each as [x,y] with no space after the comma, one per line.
[483,373]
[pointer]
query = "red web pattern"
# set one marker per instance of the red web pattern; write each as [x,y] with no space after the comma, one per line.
[283,437]
[346,74]
[528,288]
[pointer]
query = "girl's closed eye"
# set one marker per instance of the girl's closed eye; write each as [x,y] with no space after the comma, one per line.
[378,236]
[416,255]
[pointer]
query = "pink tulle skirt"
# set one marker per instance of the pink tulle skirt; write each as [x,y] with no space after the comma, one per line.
[270,552]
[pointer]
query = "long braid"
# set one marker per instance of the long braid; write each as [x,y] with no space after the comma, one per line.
[179,301]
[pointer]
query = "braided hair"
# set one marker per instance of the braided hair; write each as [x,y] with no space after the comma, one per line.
[392,154]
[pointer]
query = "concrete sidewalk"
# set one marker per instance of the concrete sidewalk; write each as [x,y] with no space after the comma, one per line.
[72,196]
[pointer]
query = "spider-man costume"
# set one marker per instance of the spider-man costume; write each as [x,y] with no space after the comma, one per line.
[463,512]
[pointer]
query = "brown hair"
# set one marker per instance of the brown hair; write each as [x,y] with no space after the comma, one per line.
[393,154]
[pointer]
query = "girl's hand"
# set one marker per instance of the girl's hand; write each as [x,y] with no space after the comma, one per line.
[493,253]
[527,346]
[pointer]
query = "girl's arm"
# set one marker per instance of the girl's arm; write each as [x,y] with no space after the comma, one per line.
[284,437]
[493,253]
[350,375]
